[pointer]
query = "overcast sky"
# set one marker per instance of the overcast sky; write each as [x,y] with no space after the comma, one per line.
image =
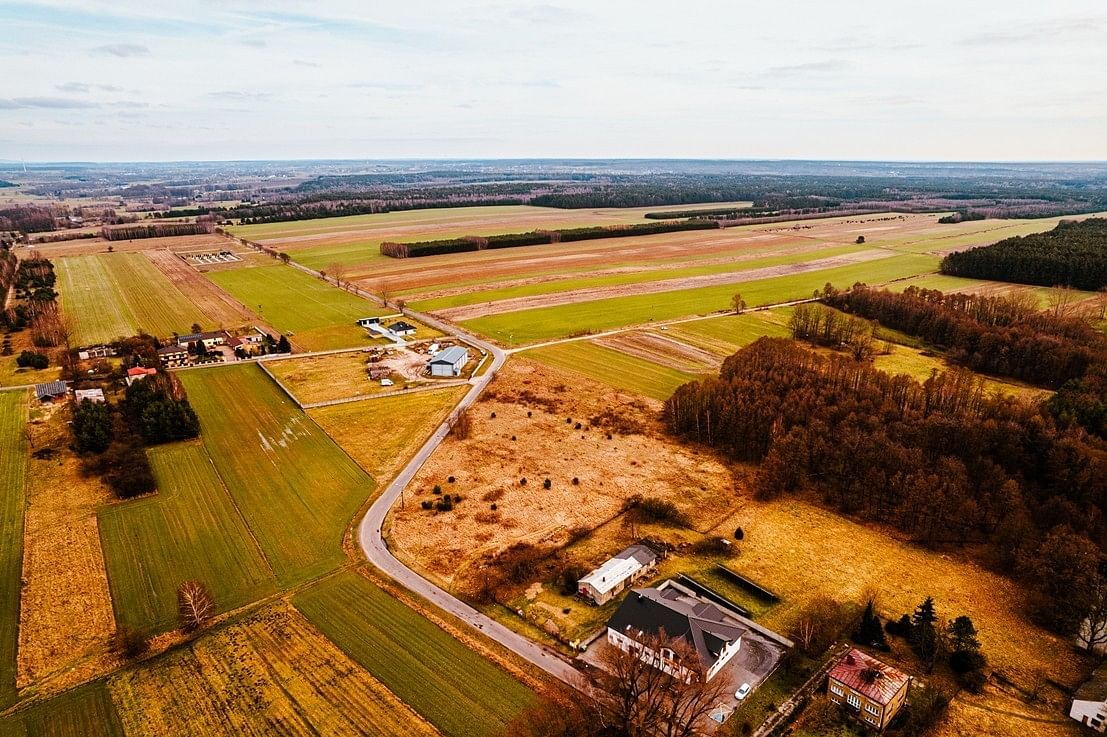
[156,80]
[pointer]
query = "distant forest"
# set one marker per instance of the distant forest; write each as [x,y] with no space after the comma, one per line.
[1073,254]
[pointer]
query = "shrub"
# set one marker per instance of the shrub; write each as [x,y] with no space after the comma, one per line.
[437,490]
[547,484]
[32,359]
[445,504]
[493,507]
[428,504]
[569,577]
[449,479]
[739,534]
[576,481]
[713,546]
[522,482]
[650,509]
[130,641]
[457,498]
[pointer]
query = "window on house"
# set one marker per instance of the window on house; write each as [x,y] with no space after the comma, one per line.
[853,701]
[871,709]
[836,690]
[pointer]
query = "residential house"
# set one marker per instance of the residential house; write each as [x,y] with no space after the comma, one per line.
[402,328]
[872,691]
[713,631]
[96,396]
[617,573]
[173,355]
[138,373]
[210,339]
[367,321]
[52,390]
[1089,703]
[449,362]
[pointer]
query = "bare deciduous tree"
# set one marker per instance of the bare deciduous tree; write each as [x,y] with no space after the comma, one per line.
[195,605]
[384,291]
[738,303]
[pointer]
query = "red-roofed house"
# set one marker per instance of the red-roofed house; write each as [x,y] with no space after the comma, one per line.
[873,691]
[138,372]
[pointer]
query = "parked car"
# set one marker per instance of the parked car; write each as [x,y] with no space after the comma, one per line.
[386,382]
[742,692]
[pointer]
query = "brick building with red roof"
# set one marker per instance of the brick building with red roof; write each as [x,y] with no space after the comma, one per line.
[872,691]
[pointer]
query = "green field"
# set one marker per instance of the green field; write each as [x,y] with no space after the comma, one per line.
[13,471]
[641,277]
[612,367]
[316,314]
[110,295]
[294,486]
[86,711]
[547,323]
[453,687]
[190,530]
[725,335]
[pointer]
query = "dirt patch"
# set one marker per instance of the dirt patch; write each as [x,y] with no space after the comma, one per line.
[468,312]
[489,466]
[663,350]
[66,611]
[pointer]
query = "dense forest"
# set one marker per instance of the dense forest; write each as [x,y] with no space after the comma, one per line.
[154,230]
[1073,254]
[940,460]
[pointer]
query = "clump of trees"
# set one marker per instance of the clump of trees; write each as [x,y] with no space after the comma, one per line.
[1071,254]
[940,460]
[954,642]
[159,410]
[822,325]
[154,230]
[32,359]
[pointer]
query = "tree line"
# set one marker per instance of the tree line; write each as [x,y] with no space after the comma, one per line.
[153,230]
[1072,254]
[939,460]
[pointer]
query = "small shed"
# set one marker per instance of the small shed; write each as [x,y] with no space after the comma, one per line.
[617,573]
[379,372]
[367,321]
[449,362]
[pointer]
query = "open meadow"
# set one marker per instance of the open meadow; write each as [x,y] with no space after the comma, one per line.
[455,689]
[613,367]
[315,314]
[295,488]
[13,469]
[190,530]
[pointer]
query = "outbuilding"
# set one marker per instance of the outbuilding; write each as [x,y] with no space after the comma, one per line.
[402,328]
[50,391]
[96,396]
[449,362]
[617,573]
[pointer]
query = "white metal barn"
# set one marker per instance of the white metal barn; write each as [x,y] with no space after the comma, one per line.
[449,362]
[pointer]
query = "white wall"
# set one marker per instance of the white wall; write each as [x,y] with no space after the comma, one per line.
[1085,711]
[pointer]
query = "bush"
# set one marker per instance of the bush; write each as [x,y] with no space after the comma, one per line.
[713,546]
[445,504]
[739,534]
[428,504]
[32,359]
[130,641]
[437,490]
[450,480]
[576,481]
[547,484]
[650,509]
[569,577]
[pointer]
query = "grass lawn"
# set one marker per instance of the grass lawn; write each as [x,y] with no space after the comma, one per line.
[109,295]
[189,530]
[86,711]
[294,486]
[323,378]
[453,687]
[13,375]
[356,427]
[545,323]
[613,368]
[13,471]
[319,316]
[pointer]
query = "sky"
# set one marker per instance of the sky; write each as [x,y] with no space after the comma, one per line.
[973,80]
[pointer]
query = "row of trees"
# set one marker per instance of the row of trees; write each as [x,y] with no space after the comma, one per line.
[1072,254]
[940,460]
[154,230]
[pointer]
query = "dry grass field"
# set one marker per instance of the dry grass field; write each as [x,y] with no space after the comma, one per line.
[13,474]
[489,465]
[66,614]
[323,378]
[272,673]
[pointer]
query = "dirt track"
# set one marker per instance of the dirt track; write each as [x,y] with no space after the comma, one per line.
[468,312]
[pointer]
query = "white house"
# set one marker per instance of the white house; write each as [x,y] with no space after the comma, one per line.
[402,328]
[449,362]
[1089,703]
[713,632]
[96,396]
[367,321]
[617,573]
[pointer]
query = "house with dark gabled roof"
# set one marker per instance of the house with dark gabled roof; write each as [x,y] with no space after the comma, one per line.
[871,690]
[712,631]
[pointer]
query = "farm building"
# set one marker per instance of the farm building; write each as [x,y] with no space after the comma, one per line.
[1089,703]
[617,573]
[139,373]
[210,340]
[50,391]
[449,362]
[96,351]
[712,631]
[173,355]
[367,321]
[96,396]
[402,328]
[870,690]
[379,372]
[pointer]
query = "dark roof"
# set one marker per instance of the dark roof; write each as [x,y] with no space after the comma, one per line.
[171,349]
[868,676]
[1095,688]
[190,338]
[401,325]
[704,625]
[51,389]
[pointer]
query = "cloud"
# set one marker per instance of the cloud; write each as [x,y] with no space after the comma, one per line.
[239,95]
[545,13]
[1037,32]
[256,43]
[811,67]
[305,63]
[120,50]
[48,103]
[85,88]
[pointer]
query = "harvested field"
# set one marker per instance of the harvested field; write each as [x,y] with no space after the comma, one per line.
[189,531]
[219,306]
[358,427]
[270,674]
[13,474]
[613,366]
[661,349]
[318,315]
[66,616]
[295,488]
[525,326]
[120,294]
[454,688]
[722,336]
[86,711]
[460,314]
[489,465]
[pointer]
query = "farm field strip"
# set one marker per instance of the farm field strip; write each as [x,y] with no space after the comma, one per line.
[86,711]
[219,306]
[961,236]
[87,294]
[967,285]
[666,285]
[13,470]
[528,326]
[272,673]
[453,687]
[613,367]
[189,530]
[724,335]
[293,485]
[319,315]
[567,285]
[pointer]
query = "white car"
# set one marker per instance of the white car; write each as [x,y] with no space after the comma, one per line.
[386,382]
[742,692]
